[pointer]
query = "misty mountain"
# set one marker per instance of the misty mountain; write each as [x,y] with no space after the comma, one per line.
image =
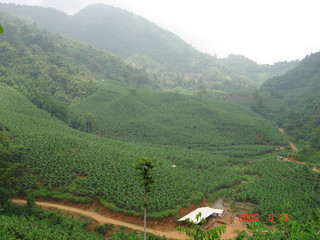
[166,58]
[259,72]
[300,82]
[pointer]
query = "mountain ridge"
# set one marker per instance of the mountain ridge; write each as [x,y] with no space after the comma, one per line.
[131,35]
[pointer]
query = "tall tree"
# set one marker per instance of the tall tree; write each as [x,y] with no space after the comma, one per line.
[146,178]
[89,119]
[1,29]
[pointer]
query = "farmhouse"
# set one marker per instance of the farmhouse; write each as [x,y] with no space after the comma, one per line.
[206,212]
[279,158]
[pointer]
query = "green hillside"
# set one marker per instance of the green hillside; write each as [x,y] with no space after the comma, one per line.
[298,83]
[292,100]
[53,71]
[138,115]
[168,60]
[76,58]
[63,163]
[64,159]
[297,94]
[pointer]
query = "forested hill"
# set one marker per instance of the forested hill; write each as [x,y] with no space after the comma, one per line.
[294,101]
[52,70]
[301,82]
[298,95]
[167,59]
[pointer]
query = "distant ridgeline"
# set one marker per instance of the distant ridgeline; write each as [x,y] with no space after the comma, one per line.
[167,60]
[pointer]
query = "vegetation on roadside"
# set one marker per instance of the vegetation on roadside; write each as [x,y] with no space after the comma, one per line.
[197,231]
[23,222]
[11,167]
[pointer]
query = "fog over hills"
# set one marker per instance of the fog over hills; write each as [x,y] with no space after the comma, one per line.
[166,58]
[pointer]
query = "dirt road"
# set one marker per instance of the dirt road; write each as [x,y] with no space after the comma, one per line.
[294,148]
[103,219]
[292,159]
[232,223]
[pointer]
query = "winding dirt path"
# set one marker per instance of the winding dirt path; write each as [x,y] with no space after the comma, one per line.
[103,219]
[232,223]
[295,149]
[292,159]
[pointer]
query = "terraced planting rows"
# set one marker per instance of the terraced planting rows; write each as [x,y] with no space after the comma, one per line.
[69,161]
[171,119]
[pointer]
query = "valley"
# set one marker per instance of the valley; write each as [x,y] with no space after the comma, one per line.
[76,111]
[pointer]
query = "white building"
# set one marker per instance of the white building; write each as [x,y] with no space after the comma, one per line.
[206,212]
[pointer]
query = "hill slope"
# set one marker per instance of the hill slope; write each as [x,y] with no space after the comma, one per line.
[61,161]
[83,164]
[54,71]
[293,100]
[298,95]
[300,82]
[173,119]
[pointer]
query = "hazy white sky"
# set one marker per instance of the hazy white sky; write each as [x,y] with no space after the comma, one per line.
[266,31]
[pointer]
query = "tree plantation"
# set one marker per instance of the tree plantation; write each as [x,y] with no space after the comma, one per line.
[93,161]
[149,131]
